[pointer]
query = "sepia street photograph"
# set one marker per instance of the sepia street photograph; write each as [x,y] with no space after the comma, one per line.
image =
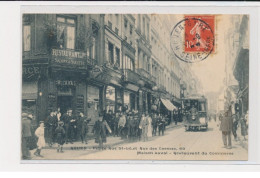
[135,87]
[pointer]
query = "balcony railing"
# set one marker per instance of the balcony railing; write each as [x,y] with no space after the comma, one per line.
[146,75]
[143,73]
[130,76]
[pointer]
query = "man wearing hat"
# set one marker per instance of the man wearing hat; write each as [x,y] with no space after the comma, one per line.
[51,126]
[60,134]
[99,130]
[26,135]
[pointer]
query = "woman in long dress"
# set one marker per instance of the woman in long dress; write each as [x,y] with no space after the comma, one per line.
[150,129]
[144,127]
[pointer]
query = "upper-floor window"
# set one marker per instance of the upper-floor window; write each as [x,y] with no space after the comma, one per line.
[129,63]
[26,37]
[93,48]
[131,29]
[148,31]
[125,23]
[143,26]
[117,60]
[110,53]
[66,32]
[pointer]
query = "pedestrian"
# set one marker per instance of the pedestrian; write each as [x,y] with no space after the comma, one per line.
[154,123]
[144,127]
[116,120]
[137,130]
[26,135]
[73,128]
[48,128]
[243,123]
[60,135]
[121,124]
[226,128]
[131,126]
[41,140]
[83,120]
[235,126]
[58,113]
[109,119]
[150,127]
[175,117]
[99,130]
[161,125]
[66,120]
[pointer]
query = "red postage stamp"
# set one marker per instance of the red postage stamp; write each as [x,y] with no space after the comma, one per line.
[199,33]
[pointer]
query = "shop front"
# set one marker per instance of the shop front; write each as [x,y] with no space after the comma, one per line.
[32,74]
[29,97]
[93,102]
[131,97]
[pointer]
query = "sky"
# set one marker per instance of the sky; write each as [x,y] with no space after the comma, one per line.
[211,71]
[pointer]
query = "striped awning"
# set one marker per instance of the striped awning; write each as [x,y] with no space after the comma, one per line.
[167,103]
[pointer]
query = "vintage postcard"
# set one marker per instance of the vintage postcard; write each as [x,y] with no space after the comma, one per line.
[135,86]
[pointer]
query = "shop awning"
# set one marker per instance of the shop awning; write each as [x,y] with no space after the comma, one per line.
[168,104]
[29,90]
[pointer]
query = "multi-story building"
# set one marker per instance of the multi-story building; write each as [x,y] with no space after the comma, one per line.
[58,52]
[241,64]
[94,62]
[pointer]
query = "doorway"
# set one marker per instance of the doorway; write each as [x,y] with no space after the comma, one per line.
[64,103]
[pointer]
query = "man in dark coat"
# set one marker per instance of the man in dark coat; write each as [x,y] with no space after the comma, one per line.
[66,118]
[49,121]
[137,130]
[26,135]
[109,119]
[175,116]
[82,125]
[52,124]
[99,130]
[161,125]
[226,128]
[154,123]
[73,127]
[235,126]
[60,133]
[131,127]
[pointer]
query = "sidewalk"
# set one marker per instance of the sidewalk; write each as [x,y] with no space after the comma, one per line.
[243,143]
[111,141]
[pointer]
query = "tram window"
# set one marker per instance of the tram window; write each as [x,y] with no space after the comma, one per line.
[202,106]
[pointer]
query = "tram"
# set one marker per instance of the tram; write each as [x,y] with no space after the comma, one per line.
[195,113]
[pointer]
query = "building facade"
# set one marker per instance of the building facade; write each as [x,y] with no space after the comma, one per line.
[92,63]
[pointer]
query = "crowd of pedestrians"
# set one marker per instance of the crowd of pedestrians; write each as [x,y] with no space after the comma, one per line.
[135,126]
[68,128]
[229,123]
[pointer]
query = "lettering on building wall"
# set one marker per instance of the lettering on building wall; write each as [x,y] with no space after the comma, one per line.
[66,83]
[67,53]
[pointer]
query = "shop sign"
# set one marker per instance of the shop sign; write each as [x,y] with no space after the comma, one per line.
[96,71]
[32,71]
[66,83]
[68,58]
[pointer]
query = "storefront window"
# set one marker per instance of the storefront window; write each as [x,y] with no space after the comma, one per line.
[93,103]
[127,100]
[110,99]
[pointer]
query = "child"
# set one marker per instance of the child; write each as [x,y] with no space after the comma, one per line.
[60,133]
[99,130]
[41,141]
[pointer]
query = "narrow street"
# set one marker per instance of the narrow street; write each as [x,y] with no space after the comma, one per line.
[176,144]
